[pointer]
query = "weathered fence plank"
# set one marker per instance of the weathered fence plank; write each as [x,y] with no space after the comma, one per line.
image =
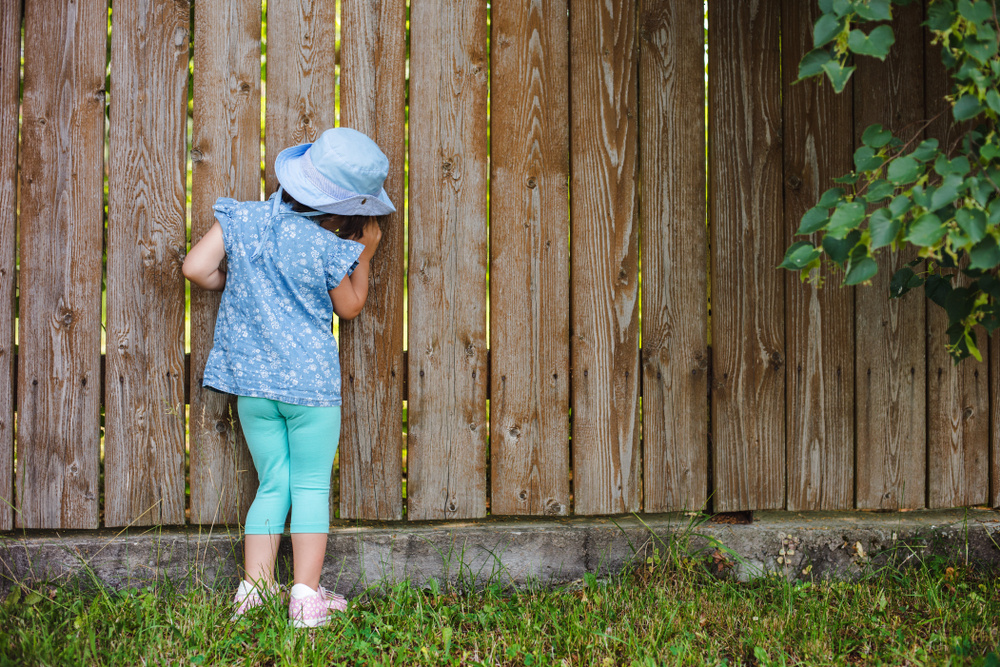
[957,396]
[529,266]
[372,100]
[748,337]
[301,84]
[890,363]
[820,321]
[10,81]
[674,254]
[61,236]
[994,439]
[446,457]
[225,158]
[301,76]
[605,259]
[144,378]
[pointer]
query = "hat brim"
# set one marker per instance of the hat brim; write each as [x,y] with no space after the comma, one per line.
[288,167]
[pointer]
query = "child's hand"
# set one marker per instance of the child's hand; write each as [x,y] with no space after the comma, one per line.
[370,237]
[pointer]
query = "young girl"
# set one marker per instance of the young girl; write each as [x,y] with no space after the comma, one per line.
[287,273]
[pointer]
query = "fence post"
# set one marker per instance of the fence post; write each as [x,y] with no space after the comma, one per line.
[748,328]
[373,100]
[61,238]
[674,254]
[446,457]
[225,158]
[529,259]
[820,321]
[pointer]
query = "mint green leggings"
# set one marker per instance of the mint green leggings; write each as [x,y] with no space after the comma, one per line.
[292,448]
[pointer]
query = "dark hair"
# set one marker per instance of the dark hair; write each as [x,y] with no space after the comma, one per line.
[351,226]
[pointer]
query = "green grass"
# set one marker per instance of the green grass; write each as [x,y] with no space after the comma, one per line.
[671,610]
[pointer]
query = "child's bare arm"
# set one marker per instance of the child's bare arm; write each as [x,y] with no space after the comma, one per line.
[350,295]
[201,266]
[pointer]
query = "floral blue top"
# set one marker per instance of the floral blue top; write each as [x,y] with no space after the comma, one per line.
[273,335]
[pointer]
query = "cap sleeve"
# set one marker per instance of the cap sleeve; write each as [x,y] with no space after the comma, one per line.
[224,208]
[342,256]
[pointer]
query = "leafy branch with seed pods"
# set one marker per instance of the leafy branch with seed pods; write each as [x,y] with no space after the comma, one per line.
[944,201]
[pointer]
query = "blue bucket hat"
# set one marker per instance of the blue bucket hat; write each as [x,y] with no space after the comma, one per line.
[341,172]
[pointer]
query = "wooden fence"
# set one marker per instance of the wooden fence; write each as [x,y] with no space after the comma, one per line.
[559,144]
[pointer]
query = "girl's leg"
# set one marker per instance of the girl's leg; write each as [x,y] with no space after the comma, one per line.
[267,440]
[308,552]
[260,555]
[313,435]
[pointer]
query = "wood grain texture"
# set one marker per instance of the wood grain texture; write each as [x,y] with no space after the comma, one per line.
[890,363]
[301,76]
[61,236]
[10,81]
[748,329]
[446,455]
[605,258]
[674,253]
[373,101]
[529,259]
[144,390]
[820,321]
[301,86]
[994,438]
[957,396]
[225,155]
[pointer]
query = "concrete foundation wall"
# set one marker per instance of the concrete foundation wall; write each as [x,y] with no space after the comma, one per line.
[518,553]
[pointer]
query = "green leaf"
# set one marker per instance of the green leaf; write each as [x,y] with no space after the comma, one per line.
[847,179]
[865,159]
[993,100]
[981,49]
[812,63]
[839,250]
[959,165]
[967,107]
[826,6]
[845,218]
[878,190]
[876,136]
[861,271]
[826,28]
[991,285]
[947,192]
[34,597]
[958,305]
[841,7]
[926,230]
[903,170]
[799,255]
[927,149]
[874,10]
[838,75]
[994,211]
[883,228]
[903,281]
[937,288]
[977,12]
[972,222]
[985,254]
[900,205]
[876,44]
[814,220]
[939,15]
[920,196]
[830,198]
